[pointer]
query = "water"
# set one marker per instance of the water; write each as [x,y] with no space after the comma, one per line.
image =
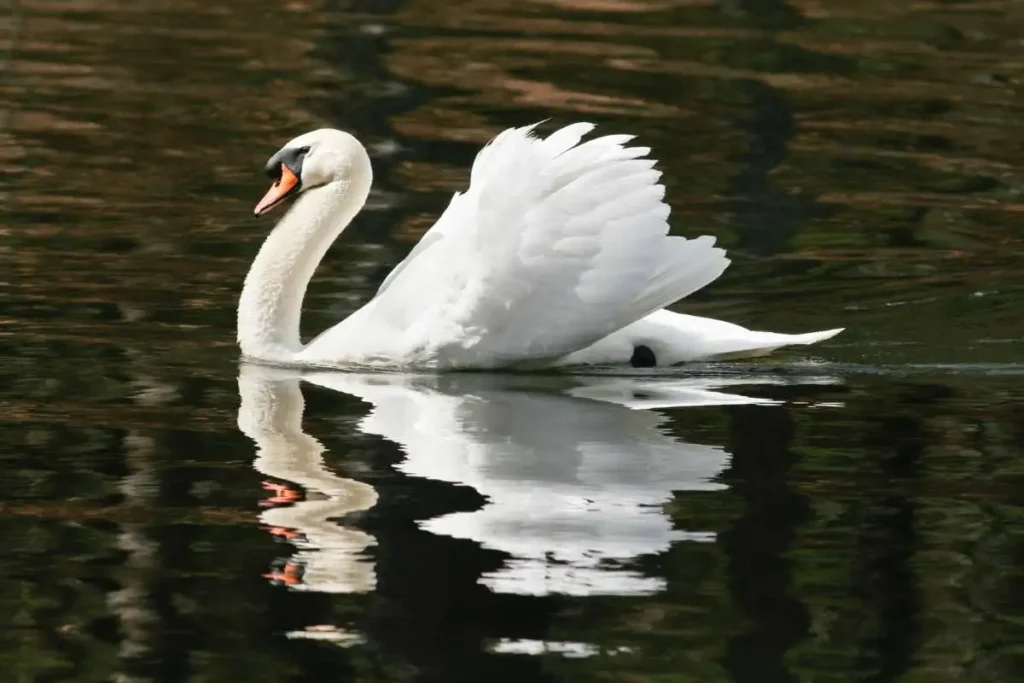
[847,512]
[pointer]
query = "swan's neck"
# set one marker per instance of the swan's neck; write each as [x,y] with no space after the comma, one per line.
[270,307]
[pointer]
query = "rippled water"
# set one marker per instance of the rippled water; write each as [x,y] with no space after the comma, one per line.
[851,511]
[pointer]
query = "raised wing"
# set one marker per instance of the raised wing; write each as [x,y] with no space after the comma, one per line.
[555,245]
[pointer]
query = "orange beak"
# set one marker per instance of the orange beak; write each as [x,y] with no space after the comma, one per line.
[285,185]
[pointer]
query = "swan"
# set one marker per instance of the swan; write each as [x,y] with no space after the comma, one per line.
[558,254]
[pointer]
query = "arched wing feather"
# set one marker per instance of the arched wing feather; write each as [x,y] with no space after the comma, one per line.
[555,244]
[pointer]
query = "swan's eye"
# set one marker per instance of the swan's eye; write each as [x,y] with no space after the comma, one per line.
[290,157]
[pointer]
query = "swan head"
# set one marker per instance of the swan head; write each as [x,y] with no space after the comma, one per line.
[311,160]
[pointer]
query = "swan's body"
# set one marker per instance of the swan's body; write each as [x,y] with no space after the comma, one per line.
[558,254]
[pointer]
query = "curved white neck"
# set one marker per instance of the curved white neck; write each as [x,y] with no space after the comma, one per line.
[270,306]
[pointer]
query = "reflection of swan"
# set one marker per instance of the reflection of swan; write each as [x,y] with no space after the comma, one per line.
[331,556]
[557,254]
[575,475]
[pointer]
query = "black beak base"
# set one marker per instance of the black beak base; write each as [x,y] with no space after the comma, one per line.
[289,156]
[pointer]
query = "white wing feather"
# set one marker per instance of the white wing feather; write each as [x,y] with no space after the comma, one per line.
[555,245]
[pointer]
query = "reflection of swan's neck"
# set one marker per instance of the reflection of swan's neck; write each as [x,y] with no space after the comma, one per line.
[271,302]
[271,415]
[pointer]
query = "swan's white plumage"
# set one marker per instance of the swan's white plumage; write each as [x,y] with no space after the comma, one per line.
[556,253]
[555,245]
[678,338]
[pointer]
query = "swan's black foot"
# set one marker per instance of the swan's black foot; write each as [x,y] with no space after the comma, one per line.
[643,357]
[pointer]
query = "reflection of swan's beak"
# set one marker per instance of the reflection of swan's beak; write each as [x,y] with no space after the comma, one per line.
[290,574]
[282,494]
[285,533]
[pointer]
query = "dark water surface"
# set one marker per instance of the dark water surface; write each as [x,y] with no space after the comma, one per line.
[847,512]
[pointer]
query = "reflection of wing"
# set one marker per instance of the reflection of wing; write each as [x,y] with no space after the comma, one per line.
[575,482]
[331,557]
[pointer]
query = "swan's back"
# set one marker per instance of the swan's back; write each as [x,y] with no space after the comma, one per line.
[555,245]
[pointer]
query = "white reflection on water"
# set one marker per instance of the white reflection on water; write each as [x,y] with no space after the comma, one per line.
[575,469]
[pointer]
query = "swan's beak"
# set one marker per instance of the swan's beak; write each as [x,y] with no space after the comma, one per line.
[287,184]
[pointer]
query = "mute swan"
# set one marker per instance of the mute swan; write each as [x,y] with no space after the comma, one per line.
[557,254]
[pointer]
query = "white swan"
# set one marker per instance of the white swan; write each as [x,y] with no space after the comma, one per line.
[558,254]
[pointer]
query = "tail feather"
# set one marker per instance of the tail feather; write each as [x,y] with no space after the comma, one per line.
[753,343]
[812,337]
